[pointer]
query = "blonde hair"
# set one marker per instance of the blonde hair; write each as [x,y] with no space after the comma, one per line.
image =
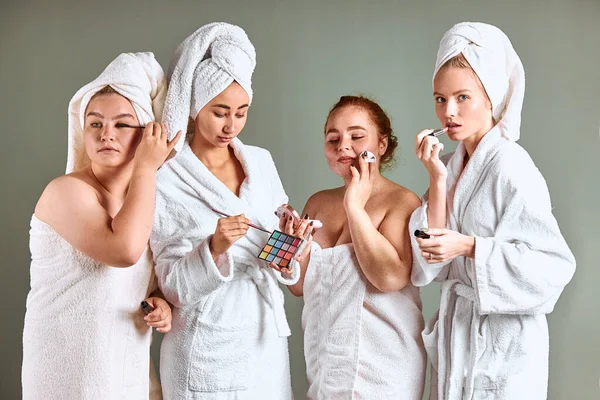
[458,61]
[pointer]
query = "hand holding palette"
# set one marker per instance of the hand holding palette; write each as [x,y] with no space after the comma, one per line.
[288,211]
[280,248]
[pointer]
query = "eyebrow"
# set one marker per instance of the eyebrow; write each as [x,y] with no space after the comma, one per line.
[97,114]
[125,115]
[229,108]
[453,94]
[356,127]
[350,128]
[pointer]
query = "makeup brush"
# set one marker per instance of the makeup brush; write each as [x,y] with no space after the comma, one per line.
[249,224]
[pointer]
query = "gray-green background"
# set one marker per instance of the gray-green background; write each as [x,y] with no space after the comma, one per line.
[310,53]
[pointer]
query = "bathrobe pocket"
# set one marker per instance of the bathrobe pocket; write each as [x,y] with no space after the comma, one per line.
[430,340]
[220,358]
[486,367]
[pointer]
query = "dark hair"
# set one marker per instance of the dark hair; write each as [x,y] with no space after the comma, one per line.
[378,117]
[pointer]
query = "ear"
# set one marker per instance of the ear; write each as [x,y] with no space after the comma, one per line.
[383,144]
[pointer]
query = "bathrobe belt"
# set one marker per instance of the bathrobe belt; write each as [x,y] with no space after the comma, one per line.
[269,290]
[460,289]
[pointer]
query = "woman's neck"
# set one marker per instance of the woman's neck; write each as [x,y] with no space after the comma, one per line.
[209,155]
[114,180]
[472,141]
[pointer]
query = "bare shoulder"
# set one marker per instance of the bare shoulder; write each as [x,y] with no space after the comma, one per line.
[64,193]
[400,200]
[323,200]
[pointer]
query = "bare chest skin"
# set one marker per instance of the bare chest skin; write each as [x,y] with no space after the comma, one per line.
[111,203]
[330,210]
[231,174]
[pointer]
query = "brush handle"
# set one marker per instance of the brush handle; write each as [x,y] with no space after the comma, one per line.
[249,224]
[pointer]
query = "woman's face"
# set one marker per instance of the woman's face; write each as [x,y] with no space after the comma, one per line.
[348,132]
[223,118]
[107,141]
[461,104]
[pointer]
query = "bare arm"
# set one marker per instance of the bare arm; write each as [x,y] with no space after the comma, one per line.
[311,208]
[436,210]
[428,150]
[384,255]
[71,207]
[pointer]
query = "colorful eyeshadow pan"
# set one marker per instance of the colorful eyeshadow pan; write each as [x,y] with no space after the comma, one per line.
[280,248]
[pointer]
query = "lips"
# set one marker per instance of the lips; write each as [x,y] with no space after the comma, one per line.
[225,139]
[107,149]
[345,160]
[452,127]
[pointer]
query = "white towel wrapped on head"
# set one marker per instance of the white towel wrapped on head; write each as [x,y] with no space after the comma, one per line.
[204,65]
[491,55]
[137,77]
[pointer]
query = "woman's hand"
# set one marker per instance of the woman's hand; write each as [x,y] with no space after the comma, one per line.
[428,150]
[302,229]
[444,245]
[161,317]
[228,231]
[360,186]
[154,148]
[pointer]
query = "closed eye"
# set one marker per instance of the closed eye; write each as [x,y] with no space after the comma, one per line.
[123,125]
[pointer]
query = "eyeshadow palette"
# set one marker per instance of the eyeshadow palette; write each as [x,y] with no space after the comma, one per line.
[280,248]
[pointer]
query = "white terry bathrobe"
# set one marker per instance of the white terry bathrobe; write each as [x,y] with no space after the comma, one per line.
[84,336]
[359,343]
[490,337]
[229,335]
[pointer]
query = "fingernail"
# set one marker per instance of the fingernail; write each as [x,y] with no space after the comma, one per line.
[311,223]
[364,154]
[275,212]
[305,216]
[290,218]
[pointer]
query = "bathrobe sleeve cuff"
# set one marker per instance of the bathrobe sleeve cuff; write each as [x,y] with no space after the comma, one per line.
[219,271]
[422,272]
[289,279]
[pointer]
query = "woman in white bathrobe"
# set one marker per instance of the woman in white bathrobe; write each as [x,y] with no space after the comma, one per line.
[362,316]
[494,244]
[85,335]
[229,336]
